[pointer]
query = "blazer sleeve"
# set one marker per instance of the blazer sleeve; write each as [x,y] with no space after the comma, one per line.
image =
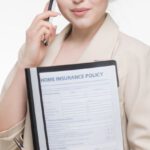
[137,101]
[6,137]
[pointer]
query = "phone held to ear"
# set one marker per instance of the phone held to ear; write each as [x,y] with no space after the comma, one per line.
[50,7]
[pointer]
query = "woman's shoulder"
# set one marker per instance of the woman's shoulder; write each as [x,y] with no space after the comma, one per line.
[131,54]
[132,46]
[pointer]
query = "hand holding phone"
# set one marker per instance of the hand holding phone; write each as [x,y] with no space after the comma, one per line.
[38,35]
[50,7]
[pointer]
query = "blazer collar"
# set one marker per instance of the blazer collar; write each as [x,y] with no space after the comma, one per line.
[102,46]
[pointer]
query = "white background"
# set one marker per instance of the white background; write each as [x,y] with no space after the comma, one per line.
[132,16]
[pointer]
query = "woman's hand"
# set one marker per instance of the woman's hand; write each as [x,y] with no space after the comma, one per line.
[38,31]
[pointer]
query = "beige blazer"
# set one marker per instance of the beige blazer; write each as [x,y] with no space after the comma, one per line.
[133,61]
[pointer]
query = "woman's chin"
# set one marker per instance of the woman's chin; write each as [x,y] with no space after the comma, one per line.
[82,25]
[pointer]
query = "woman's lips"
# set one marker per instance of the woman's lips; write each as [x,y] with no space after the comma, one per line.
[80,11]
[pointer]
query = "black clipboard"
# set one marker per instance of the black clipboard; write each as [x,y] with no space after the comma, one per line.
[38,123]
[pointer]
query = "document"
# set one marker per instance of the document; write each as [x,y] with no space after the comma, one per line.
[80,108]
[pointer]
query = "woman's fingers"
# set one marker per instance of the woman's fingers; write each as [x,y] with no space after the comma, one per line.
[39,30]
[45,15]
[49,36]
[46,7]
[45,33]
[33,31]
[40,20]
[41,24]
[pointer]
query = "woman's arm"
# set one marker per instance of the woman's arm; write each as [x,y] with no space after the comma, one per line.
[137,101]
[13,100]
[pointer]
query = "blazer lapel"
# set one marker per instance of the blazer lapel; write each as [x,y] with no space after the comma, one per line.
[103,45]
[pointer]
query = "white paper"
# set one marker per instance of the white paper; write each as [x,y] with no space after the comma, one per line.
[82,109]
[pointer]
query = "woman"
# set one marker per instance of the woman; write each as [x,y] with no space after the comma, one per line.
[92,35]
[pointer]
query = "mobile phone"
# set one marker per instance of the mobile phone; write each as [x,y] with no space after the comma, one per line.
[50,7]
[50,4]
